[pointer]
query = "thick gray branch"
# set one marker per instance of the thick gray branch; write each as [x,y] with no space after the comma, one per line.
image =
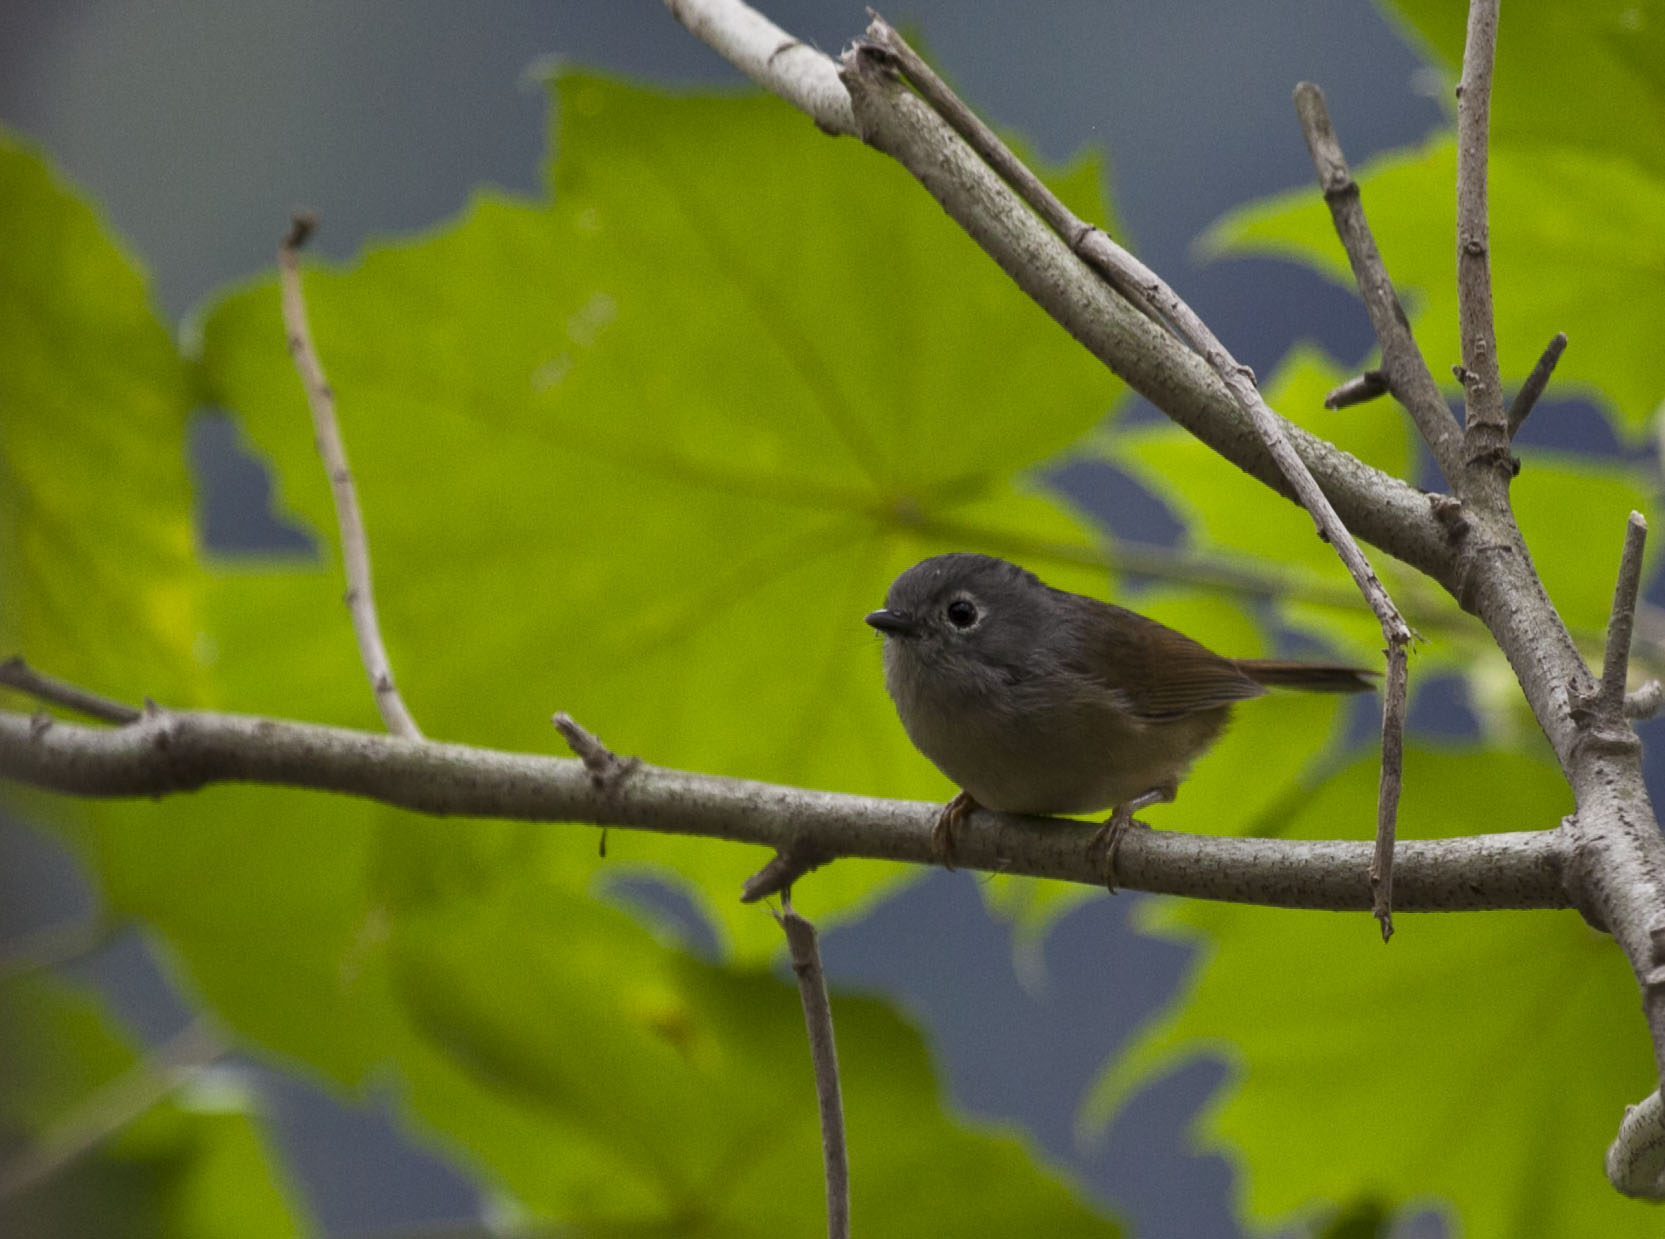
[169,753]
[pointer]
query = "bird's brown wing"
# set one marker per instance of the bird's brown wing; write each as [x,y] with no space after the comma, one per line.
[1161,673]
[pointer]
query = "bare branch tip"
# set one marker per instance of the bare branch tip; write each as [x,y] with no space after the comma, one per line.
[1357,390]
[302,224]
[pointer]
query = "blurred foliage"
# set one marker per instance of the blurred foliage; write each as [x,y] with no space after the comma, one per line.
[194,1165]
[647,451]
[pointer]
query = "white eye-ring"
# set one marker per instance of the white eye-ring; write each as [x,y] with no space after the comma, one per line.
[963,613]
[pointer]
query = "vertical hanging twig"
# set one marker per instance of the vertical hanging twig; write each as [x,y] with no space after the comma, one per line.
[823,1052]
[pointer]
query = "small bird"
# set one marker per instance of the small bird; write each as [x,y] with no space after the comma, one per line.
[1036,700]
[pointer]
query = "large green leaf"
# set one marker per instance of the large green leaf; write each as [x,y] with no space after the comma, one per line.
[611,453]
[96,576]
[1565,71]
[1577,201]
[679,1088]
[649,454]
[1477,1060]
[1575,247]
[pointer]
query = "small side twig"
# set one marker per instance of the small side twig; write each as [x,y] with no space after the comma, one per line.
[1392,780]
[1357,390]
[823,1051]
[15,673]
[1615,667]
[604,766]
[113,1107]
[355,549]
[1486,434]
[1521,406]
[1407,373]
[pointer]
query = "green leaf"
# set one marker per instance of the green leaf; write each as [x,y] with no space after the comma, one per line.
[1478,1060]
[650,453]
[1564,72]
[679,1088]
[1577,201]
[1575,246]
[1578,560]
[96,574]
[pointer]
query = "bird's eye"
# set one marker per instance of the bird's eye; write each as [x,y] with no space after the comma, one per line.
[962,613]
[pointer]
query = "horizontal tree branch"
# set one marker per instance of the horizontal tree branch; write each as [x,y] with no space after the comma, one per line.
[169,752]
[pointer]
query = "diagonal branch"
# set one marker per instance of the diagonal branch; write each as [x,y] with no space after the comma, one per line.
[1406,373]
[1382,509]
[355,549]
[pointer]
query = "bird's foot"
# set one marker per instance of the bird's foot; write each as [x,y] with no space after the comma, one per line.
[1115,828]
[943,843]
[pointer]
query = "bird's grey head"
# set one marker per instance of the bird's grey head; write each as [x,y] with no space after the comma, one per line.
[951,606]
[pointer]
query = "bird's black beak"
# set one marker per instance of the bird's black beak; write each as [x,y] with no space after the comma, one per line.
[891,623]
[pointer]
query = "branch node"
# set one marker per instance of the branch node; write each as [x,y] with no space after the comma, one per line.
[786,867]
[605,768]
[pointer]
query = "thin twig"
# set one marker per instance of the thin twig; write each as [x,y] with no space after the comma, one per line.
[15,673]
[113,1107]
[1125,272]
[1357,390]
[1615,667]
[1392,780]
[1407,373]
[1486,438]
[1520,408]
[355,549]
[823,1052]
